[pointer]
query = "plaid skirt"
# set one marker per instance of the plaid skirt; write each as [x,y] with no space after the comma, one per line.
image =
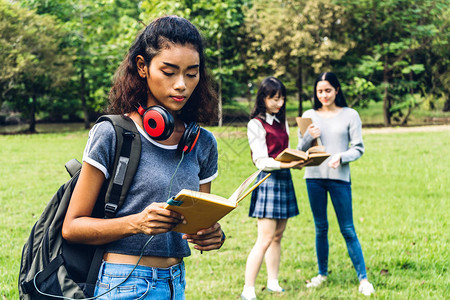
[275,197]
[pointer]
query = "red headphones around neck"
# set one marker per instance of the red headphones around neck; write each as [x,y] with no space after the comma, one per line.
[159,125]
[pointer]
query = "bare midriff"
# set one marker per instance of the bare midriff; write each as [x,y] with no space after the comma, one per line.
[149,261]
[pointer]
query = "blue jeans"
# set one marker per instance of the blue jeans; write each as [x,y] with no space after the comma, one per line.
[341,197]
[144,282]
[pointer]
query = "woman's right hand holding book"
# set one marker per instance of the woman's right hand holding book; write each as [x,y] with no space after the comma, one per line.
[314,131]
[155,219]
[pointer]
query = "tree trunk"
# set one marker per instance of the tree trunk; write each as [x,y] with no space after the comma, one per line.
[83,98]
[248,95]
[220,104]
[32,128]
[446,106]
[300,87]
[82,75]
[386,101]
[219,63]
[410,107]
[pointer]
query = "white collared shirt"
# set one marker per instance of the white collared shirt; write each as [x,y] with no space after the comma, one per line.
[257,140]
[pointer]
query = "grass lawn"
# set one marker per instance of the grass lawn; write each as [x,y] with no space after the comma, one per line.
[400,196]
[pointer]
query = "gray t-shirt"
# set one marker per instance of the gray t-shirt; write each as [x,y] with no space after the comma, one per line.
[151,183]
[342,134]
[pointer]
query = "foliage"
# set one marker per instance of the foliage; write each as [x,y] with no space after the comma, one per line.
[302,42]
[360,92]
[393,39]
[100,33]
[34,62]
[393,51]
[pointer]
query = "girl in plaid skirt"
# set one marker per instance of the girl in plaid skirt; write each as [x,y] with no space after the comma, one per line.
[274,201]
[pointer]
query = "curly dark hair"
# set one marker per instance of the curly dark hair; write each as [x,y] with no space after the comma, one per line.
[129,89]
[269,87]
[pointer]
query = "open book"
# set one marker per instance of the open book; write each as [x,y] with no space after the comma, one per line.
[202,210]
[315,155]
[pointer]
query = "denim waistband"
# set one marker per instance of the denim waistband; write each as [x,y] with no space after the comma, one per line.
[122,270]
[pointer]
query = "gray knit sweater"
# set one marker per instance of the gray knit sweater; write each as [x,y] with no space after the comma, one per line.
[339,134]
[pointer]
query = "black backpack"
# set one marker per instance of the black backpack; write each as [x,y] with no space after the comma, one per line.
[49,262]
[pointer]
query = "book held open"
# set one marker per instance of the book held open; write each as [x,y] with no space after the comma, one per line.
[315,155]
[202,210]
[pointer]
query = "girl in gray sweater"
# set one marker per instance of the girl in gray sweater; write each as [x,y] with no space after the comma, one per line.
[339,129]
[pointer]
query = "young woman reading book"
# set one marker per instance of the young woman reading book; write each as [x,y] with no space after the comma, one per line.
[161,84]
[274,201]
[339,128]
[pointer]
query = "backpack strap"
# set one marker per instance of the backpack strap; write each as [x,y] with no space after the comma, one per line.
[73,166]
[96,262]
[28,286]
[126,161]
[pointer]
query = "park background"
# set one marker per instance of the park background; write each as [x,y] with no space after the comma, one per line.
[57,60]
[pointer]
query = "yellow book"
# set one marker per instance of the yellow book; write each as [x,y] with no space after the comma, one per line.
[202,210]
[314,156]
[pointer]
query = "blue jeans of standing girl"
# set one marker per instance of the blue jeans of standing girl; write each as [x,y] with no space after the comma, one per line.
[144,282]
[341,197]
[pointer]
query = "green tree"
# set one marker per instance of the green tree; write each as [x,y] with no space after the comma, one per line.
[33,60]
[295,39]
[392,38]
[100,33]
[436,57]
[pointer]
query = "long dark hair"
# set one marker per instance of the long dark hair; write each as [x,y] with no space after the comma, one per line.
[129,89]
[333,80]
[269,87]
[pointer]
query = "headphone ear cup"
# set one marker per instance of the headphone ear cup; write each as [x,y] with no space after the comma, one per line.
[158,122]
[189,138]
